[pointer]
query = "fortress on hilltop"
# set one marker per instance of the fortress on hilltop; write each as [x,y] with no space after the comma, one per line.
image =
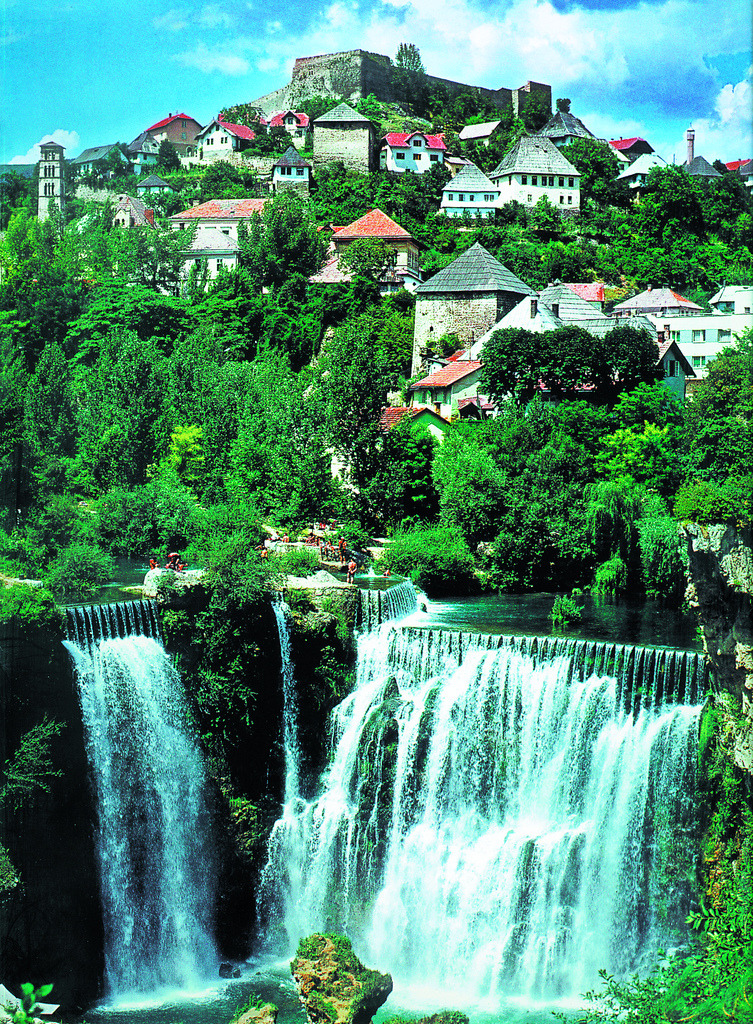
[356,74]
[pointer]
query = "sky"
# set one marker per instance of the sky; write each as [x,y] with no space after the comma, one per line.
[93,72]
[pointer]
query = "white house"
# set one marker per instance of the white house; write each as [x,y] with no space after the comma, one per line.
[533,168]
[482,133]
[221,138]
[444,388]
[153,184]
[214,248]
[661,302]
[291,171]
[636,175]
[132,213]
[563,128]
[471,192]
[411,151]
[224,214]
[703,337]
[733,298]
[143,153]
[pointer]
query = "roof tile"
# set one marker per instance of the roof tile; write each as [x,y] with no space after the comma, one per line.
[448,374]
[373,224]
[476,270]
[236,209]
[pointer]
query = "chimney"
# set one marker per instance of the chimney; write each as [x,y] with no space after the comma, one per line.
[534,308]
[691,145]
[149,214]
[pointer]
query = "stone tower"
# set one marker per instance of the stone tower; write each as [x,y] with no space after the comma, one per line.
[51,178]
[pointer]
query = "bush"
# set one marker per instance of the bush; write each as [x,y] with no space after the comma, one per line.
[659,544]
[437,559]
[611,577]
[33,607]
[296,562]
[565,611]
[160,516]
[703,501]
[79,569]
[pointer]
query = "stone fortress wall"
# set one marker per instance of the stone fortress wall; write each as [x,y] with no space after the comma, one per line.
[355,74]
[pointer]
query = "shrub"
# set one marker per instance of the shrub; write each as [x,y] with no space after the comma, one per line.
[295,562]
[437,559]
[33,607]
[156,517]
[659,545]
[79,569]
[611,576]
[565,611]
[704,501]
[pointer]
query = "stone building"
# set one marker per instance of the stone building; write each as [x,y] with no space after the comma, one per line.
[51,179]
[466,298]
[355,74]
[345,135]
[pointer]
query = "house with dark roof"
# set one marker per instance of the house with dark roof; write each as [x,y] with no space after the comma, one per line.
[88,161]
[219,139]
[153,184]
[469,194]
[411,151]
[179,129]
[533,169]
[343,135]
[697,166]
[631,149]
[143,152]
[465,299]
[291,171]
[745,170]
[563,128]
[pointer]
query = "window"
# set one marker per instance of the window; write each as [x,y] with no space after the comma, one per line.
[724,337]
[183,135]
[562,200]
[561,182]
[747,309]
[461,197]
[699,361]
[299,172]
[569,200]
[551,180]
[698,337]
[570,182]
[433,157]
[529,197]
[400,156]
[534,179]
[416,142]
[416,156]
[524,179]
[471,197]
[672,368]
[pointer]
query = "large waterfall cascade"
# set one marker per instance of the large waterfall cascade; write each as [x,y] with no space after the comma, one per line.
[506,814]
[153,828]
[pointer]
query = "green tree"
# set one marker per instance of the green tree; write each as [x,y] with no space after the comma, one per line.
[599,168]
[368,257]
[563,105]
[408,56]
[670,206]
[167,157]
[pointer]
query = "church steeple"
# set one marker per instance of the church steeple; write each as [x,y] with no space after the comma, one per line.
[51,179]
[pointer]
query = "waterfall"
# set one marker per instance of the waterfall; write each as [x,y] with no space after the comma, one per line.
[289,702]
[152,829]
[378,606]
[506,814]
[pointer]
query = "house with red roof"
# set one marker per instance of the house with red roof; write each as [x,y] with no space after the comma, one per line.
[223,215]
[631,148]
[295,122]
[180,129]
[411,151]
[221,138]
[418,416]
[445,388]
[406,271]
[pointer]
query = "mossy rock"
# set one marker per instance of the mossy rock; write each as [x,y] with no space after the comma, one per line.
[334,985]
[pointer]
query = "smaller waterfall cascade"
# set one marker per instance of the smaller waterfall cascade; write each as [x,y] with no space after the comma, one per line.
[513,812]
[153,823]
[378,606]
[289,702]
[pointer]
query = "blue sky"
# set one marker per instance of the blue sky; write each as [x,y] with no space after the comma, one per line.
[90,72]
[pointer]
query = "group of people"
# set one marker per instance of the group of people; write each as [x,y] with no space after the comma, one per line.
[173,562]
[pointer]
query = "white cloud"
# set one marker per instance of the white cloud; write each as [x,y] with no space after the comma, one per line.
[213,16]
[728,135]
[65,138]
[227,61]
[171,21]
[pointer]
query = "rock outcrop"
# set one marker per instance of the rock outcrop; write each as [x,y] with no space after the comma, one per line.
[173,589]
[334,986]
[720,567]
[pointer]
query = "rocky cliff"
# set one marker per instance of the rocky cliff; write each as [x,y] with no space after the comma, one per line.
[720,568]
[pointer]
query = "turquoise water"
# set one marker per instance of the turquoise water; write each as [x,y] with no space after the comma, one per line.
[273,982]
[647,623]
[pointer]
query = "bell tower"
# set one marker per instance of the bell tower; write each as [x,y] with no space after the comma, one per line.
[51,178]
